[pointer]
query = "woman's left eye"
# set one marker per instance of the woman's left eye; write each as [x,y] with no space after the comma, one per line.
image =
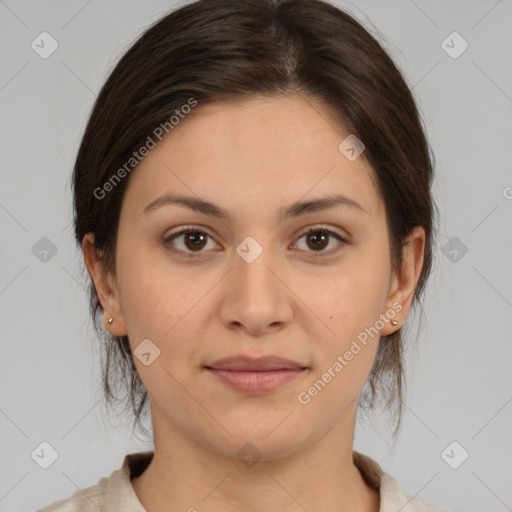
[194,240]
[319,238]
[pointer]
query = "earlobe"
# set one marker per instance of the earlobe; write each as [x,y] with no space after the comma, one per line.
[105,287]
[113,325]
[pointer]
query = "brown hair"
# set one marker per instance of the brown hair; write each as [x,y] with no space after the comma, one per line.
[232,49]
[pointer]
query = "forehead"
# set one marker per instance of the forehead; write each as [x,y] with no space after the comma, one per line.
[265,149]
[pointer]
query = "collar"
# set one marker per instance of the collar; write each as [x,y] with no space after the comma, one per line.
[120,495]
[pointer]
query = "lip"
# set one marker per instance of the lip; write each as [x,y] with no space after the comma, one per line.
[256,375]
[255,364]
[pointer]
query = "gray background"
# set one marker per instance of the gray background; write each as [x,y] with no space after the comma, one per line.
[459,369]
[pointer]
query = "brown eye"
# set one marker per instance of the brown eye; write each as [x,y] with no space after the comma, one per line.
[194,240]
[188,241]
[318,238]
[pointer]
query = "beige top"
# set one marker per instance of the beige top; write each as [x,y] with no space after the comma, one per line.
[116,494]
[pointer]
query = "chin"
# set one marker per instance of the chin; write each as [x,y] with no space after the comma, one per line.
[266,440]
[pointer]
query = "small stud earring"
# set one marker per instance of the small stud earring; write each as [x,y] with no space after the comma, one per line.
[394,322]
[110,320]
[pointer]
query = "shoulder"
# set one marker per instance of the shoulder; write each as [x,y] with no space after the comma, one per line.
[392,497]
[111,493]
[90,499]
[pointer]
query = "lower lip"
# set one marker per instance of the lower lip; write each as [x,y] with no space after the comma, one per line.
[256,382]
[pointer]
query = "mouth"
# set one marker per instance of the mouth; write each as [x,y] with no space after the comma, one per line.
[256,375]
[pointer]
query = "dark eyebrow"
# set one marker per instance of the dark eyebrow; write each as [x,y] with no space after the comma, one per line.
[211,209]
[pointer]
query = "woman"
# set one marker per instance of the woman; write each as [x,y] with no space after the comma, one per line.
[252,199]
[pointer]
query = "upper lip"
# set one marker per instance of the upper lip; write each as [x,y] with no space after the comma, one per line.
[246,363]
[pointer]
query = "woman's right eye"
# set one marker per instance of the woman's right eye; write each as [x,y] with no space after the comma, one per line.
[191,240]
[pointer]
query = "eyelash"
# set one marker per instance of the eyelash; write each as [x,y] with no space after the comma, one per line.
[315,229]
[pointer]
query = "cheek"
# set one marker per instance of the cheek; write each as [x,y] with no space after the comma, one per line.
[151,298]
[163,303]
[349,301]
[351,293]
[344,354]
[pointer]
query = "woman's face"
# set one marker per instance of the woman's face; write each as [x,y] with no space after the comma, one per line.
[252,283]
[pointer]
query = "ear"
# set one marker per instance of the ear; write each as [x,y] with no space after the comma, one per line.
[403,282]
[105,287]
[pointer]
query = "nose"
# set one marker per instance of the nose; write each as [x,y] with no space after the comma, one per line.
[256,298]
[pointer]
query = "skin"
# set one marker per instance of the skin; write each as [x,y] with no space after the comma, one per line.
[253,158]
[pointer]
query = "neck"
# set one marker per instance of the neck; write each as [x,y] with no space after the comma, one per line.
[187,475]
